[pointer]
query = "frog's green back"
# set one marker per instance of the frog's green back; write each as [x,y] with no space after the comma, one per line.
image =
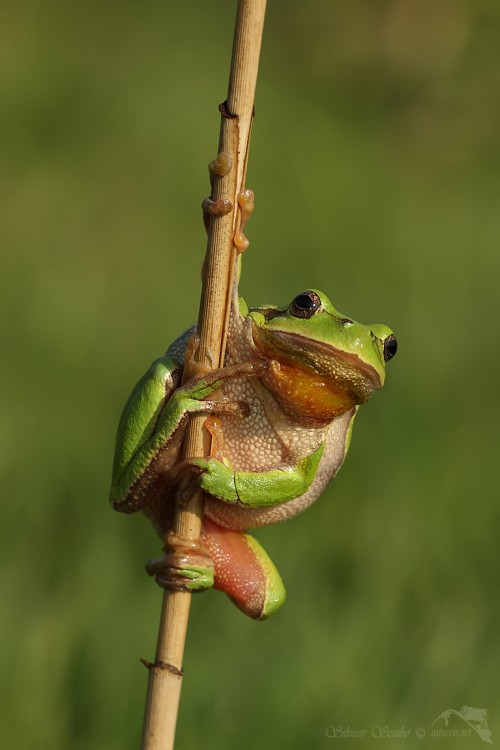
[140,414]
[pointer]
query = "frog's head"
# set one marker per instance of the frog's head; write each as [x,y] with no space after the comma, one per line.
[322,363]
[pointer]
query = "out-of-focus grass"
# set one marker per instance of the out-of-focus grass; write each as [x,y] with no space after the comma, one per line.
[376,165]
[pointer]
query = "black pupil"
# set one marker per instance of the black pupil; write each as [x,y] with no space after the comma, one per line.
[390,347]
[304,302]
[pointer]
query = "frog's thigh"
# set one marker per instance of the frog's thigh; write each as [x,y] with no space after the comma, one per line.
[243,571]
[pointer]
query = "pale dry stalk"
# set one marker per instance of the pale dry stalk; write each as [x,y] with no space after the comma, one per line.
[165,677]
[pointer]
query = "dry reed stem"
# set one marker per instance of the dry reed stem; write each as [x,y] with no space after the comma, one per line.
[165,676]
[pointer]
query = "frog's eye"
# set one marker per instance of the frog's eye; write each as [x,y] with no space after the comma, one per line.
[305,304]
[390,347]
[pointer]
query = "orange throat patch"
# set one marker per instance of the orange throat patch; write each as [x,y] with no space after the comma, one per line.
[306,393]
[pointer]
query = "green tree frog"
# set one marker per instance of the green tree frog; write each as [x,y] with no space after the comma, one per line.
[280,412]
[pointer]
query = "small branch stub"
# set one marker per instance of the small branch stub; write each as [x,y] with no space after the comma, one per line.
[226,215]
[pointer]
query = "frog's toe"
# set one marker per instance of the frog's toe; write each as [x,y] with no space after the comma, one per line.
[187,567]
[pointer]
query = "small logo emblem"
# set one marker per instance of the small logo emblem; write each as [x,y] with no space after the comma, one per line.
[474,717]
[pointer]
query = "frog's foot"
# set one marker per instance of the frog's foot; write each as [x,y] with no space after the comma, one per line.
[187,566]
[243,571]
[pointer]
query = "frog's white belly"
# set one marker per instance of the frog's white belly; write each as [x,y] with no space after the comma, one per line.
[239,517]
[252,443]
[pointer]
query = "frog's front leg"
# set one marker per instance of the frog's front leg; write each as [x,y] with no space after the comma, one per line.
[254,489]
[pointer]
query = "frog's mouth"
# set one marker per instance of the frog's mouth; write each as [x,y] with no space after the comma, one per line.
[315,380]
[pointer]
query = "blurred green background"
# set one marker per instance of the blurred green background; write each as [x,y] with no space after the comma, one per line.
[376,166]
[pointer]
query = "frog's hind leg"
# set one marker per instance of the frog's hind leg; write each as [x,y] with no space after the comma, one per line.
[243,570]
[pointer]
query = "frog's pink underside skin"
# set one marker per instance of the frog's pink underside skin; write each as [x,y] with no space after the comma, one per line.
[238,571]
